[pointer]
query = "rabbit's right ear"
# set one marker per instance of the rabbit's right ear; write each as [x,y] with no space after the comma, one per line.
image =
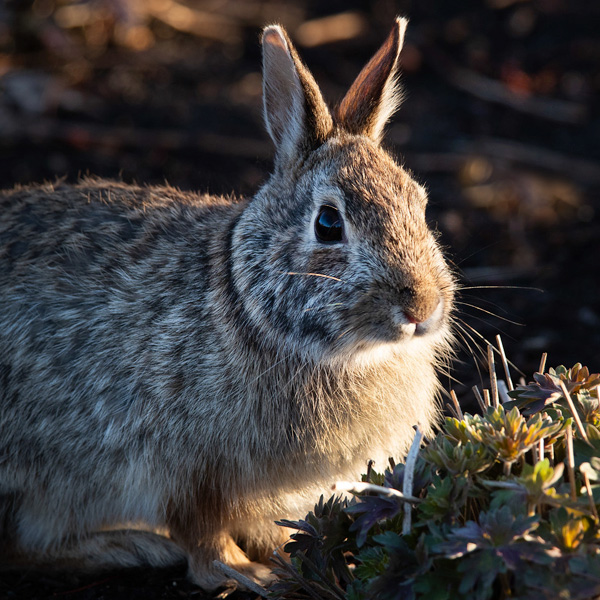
[296,115]
[375,95]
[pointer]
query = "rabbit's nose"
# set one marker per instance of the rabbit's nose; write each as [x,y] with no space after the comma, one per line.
[421,306]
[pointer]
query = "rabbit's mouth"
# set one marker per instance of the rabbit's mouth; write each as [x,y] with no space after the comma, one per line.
[409,326]
[381,326]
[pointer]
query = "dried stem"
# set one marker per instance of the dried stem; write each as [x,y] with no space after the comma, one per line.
[493,383]
[571,462]
[509,382]
[457,408]
[409,474]
[359,487]
[588,487]
[486,397]
[503,391]
[337,592]
[283,564]
[479,399]
[574,411]
[248,583]
[543,362]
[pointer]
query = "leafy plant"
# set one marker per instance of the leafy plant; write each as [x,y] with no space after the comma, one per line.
[499,509]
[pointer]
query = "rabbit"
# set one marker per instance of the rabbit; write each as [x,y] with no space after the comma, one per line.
[178,371]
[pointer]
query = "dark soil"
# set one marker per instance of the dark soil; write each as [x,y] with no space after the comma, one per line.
[501,121]
[133,584]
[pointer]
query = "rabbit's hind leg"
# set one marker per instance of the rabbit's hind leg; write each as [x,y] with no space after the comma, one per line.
[103,551]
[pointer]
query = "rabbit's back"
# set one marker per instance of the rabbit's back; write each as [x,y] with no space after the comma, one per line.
[102,289]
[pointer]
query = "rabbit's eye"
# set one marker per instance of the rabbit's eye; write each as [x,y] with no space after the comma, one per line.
[329,226]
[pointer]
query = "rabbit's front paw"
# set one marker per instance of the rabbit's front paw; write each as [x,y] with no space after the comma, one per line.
[229,567]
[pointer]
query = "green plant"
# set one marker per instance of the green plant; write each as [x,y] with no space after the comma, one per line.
[494,513]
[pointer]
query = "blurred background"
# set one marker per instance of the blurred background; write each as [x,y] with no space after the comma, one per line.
[500,121]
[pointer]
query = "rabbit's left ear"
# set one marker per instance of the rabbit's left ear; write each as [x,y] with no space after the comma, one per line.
[296,115]
[375,94]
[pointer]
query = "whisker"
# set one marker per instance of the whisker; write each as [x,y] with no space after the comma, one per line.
[487,342]
[296,373]
[482,320]
[476,360]
[499,287]
[473,340]
[313,275]
[344,333]
[474,253]
[498,307]
[489,312]
[273,366]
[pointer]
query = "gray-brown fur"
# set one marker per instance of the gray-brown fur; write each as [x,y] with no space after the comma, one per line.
[205,365]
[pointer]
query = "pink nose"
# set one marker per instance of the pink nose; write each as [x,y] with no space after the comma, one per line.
[421,306]
[411,319]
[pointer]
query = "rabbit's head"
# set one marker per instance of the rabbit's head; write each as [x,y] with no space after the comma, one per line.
[333,258]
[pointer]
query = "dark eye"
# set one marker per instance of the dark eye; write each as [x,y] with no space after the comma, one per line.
[329,226]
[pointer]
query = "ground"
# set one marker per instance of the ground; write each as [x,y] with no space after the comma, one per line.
[500,121]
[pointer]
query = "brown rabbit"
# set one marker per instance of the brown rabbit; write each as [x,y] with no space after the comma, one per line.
[202,365]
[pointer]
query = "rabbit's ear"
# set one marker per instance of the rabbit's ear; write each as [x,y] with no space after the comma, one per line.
[375,94]
[296,115]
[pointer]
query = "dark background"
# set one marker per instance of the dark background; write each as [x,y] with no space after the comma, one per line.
[501,121]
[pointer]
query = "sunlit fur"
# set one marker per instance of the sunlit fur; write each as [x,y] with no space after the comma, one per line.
[205,365]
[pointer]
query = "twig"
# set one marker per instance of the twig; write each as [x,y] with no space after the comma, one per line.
[574,411]
[336,591]
[295,575]
[503,391]
[493,383]
[571,462]
[479,398]
[486,397]
[543,363]
[509,382]
[359,487]
[457,408]
[583,469]
[452,410]
[409,475]
[245,581]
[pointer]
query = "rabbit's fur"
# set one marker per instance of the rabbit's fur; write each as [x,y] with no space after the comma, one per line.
[205,365]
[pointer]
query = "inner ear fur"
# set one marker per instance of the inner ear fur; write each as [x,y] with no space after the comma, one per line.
[375,94]
[296,115]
